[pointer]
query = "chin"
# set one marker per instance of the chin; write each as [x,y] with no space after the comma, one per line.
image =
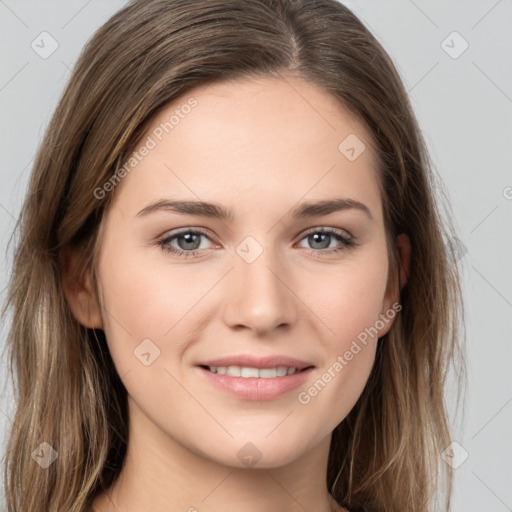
[257,452]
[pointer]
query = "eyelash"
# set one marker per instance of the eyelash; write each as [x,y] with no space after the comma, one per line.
[347,243]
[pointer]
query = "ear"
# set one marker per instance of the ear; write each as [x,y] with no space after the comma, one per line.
[392,296]
[79,291]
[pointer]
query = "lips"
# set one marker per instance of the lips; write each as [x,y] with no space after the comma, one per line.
[252,387]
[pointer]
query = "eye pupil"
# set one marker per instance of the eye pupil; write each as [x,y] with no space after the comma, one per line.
[189,239]
[315,237]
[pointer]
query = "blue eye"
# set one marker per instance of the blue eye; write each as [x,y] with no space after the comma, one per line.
[189,242]
[321,235]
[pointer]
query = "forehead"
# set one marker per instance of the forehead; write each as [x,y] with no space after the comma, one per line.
[261,107]
[249,139]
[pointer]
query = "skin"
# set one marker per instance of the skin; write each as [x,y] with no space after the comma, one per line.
[241,147]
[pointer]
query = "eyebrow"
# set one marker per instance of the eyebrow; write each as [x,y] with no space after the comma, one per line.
[204,209]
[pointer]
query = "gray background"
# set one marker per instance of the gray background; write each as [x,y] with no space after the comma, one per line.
[464,106]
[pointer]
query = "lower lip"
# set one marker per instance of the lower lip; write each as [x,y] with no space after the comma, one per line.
[257,388]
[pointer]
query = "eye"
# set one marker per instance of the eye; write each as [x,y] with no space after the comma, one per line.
[188,242]
[321,238]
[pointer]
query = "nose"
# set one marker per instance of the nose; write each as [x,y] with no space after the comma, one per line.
[259,298]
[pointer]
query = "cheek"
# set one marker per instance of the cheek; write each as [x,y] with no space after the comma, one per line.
[348,297]
[349,304]
[349,358]
[146,301]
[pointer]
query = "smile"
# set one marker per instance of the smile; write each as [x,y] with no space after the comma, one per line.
[255,384]
[248,372]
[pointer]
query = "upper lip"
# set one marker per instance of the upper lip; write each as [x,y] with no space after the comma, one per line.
[249,361]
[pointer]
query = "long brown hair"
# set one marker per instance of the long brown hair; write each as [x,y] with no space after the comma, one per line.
[385,455]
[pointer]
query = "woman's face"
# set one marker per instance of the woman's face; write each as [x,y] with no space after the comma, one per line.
[296,269]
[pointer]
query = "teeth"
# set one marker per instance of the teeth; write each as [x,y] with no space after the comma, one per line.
[247,372]
[267,373]
[234,371]
[282,371]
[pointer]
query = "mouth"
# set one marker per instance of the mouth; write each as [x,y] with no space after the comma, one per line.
[248,372]
[261,382]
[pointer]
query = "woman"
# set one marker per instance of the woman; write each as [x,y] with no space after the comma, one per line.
[231,288]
